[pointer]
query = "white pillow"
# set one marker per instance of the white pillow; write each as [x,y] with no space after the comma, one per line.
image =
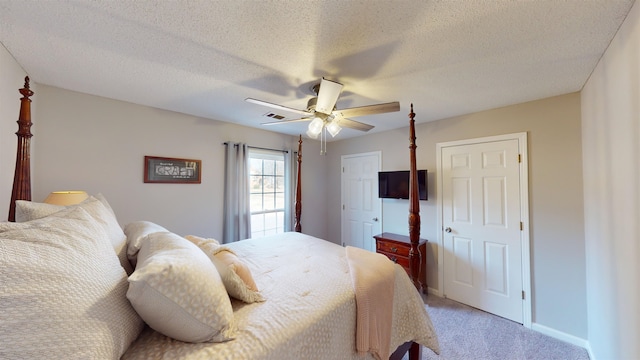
[63,291]
[178,292]
[104,202]
[100,210]
[29,210]
[136,232]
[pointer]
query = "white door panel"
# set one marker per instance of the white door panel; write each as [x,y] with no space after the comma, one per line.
[481,217]
[361,206]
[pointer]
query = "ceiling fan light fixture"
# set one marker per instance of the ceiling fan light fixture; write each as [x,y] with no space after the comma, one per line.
[315,128]
[321,112]
[312,134]
[333,128]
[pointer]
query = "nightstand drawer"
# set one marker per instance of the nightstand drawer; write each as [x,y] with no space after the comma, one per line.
[392,247]
[400,260]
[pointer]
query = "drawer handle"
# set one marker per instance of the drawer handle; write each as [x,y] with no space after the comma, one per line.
[394,249]
[394,259]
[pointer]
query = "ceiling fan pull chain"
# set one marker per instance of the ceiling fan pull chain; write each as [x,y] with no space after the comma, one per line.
[323,141]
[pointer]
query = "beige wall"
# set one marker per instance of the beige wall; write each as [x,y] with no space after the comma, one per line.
[611,155]
[555,186]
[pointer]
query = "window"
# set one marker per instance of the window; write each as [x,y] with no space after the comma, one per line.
[267,192]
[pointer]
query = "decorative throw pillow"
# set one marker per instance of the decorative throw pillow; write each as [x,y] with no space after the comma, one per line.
[235,274]
[178,292]
[100,210]
[136,232]
[197,240]
[63,291]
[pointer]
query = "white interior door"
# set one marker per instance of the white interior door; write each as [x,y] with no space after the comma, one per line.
[482,224]
[361,207]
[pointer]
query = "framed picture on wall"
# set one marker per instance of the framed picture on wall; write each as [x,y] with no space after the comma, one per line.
[171,170]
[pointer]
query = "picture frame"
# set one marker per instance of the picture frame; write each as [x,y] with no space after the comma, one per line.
[172,170]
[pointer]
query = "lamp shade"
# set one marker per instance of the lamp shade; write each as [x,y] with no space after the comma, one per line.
[66,197]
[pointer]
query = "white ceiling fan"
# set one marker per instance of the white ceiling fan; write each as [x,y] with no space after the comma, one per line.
[321,111]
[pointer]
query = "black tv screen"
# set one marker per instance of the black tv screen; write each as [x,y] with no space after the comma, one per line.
[395,184]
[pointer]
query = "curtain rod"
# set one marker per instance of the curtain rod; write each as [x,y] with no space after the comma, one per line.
[259,148]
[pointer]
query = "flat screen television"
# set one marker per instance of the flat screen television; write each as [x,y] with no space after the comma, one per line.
[395,184]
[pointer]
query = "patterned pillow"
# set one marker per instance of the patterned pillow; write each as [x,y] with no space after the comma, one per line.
[177,291]
[102,212]
[235,274]
[97,207]
[29,210]
[63,291]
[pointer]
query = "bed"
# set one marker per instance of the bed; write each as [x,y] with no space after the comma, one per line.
[78,285]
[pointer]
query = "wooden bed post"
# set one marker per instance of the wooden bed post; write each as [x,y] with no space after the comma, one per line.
[22,176]
[414,208]
[298,202]
[413,348]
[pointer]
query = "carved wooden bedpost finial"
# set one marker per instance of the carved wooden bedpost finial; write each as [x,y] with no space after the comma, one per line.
[22,176]
[298,203]
[414,207]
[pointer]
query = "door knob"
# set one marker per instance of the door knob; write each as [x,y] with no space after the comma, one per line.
[375,219]
[448,229]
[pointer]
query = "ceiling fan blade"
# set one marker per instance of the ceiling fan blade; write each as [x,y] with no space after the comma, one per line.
[285,121]
[276,106]
[327,96]
[369,109]
[352,124]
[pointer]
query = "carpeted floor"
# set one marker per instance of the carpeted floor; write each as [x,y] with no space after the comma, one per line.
[467,333]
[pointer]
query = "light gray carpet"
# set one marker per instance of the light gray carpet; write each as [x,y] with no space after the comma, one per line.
[467,333]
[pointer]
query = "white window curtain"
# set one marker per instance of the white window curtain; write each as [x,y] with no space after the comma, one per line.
[237,211]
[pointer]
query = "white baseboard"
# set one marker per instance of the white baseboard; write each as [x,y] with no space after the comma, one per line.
[563,336]
[433,291]
[588,347]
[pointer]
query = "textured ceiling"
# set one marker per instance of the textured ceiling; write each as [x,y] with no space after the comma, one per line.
[448,57]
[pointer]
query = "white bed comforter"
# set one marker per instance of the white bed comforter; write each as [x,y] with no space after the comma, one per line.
[309,312]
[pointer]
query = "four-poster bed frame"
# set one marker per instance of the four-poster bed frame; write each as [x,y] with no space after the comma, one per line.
[414,207]
[22,191]
[298,201]
[22,176]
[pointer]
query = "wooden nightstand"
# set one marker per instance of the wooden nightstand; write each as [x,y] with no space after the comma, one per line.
[396,247]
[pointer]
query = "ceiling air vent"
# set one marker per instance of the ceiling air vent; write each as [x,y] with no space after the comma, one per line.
[274,116]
